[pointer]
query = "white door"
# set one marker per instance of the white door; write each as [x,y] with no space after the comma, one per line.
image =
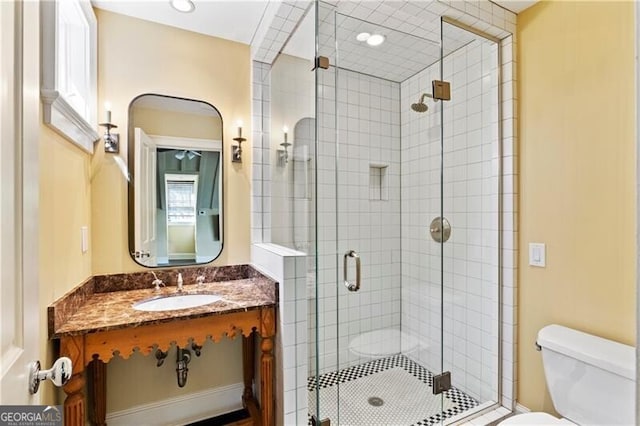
[19,126]
[145,197]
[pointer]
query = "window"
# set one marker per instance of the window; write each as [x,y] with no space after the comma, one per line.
[69,70]
[181,200]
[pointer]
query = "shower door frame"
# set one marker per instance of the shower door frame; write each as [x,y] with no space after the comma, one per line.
[445,20]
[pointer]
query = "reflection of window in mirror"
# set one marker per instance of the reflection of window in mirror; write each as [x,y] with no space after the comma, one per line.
[181,198]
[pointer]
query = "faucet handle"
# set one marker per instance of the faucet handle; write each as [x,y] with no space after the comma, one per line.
[158,282]
[200,280]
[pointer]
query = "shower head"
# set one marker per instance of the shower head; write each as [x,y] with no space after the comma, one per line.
[420,106]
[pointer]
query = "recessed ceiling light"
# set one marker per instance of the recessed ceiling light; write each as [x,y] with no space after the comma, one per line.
[185,6]
[363,36]
[375,40]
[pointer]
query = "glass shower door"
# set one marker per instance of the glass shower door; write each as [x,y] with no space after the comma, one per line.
[323,372]
[470,206]
[378,342]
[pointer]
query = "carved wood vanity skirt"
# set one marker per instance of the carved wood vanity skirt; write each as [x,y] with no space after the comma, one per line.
[96,320]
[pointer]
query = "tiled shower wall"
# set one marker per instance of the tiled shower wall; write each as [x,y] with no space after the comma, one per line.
[293,105]
[261,169]
[368,218]
[470,202]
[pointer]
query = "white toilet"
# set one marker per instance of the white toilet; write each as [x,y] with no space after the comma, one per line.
[591,380]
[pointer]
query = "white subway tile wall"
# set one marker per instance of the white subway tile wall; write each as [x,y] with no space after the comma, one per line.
[469,267]
[260,119]
[368,133]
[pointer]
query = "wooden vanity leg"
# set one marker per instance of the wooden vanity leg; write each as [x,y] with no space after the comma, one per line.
[266,385]
[248,368]
[248,373]
[98,391]
[266,367]
[74,403]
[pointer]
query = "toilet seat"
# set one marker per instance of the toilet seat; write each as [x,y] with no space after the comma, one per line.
[534,419]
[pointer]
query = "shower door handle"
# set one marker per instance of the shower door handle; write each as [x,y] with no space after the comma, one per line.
[356,286]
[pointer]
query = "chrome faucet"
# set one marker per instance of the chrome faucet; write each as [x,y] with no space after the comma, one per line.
[179,282]
[157,282]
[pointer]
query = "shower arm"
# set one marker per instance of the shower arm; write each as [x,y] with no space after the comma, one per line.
[426,95]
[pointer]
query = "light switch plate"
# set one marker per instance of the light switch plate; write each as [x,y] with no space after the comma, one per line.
[537,255]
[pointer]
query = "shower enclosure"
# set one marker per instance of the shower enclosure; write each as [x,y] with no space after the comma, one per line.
[385,169]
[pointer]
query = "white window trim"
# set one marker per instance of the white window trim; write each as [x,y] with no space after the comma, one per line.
[76,126]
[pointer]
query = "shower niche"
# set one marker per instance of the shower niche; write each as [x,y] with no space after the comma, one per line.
[378,182]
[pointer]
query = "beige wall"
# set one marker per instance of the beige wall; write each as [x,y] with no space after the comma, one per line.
[182,239]
[172,123]
[577,185]
[136,57]
[65,206]
[63,166]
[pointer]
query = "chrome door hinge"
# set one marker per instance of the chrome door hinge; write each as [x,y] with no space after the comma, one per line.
[441,382]
[321,62]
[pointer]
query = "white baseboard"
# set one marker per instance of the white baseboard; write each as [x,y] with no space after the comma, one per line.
[520,409]
[182,409]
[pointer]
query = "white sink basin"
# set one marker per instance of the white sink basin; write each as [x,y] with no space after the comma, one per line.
[174,302]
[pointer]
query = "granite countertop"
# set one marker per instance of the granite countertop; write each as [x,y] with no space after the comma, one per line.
[85,311]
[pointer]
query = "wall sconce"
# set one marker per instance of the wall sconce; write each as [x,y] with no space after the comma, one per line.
[111,140]
[236,154]
[283,154]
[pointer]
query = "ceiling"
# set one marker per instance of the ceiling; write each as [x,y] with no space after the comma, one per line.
[236,20]
[406,51]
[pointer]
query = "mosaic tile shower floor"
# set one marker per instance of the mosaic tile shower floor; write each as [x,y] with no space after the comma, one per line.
[403,386]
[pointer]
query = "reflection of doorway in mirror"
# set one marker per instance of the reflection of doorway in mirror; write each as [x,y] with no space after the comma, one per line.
[145,198]
[181,191]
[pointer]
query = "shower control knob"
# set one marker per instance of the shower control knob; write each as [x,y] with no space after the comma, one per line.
[440,229]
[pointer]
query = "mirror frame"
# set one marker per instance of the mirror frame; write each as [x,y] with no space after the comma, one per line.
[131,183]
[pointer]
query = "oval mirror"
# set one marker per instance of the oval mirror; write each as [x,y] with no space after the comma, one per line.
[175,191]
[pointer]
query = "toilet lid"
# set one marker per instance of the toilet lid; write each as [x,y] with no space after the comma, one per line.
[534,419]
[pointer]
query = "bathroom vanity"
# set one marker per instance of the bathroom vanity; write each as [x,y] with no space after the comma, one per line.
[98,319]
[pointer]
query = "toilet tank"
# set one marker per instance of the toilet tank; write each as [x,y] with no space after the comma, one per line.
[591,380]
